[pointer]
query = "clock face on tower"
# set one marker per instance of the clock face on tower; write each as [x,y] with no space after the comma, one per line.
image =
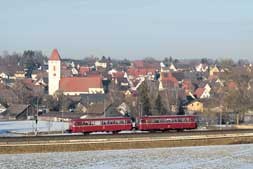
[54,74]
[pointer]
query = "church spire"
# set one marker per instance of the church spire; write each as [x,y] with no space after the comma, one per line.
[55,55]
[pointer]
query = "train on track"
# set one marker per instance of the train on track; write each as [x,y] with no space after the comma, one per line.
[145,123]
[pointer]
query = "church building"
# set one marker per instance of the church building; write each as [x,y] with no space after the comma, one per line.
[70,85]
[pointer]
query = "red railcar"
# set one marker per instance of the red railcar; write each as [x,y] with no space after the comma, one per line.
[163,123]
[100,125]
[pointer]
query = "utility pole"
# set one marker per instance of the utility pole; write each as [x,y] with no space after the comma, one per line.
[220,119]
[36,118]
[104,108]
[140,110]
[62,121]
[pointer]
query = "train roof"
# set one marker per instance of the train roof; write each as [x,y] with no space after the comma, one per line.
[165,116]
[105,118]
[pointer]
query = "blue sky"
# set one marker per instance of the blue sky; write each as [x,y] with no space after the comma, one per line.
[129,29]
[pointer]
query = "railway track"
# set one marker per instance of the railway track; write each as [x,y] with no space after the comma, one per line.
[28,139]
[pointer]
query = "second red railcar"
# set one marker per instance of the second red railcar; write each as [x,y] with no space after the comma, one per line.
[163,123]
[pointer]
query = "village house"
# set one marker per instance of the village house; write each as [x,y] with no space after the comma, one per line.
[20,74]
[102,63]
[194,107]
[81,85]
[167,81]
[2,108]
[201,67]
[4,75]
[83,70]
[140,72]
[202,93]
[170,68]
[18,112]
[214,70]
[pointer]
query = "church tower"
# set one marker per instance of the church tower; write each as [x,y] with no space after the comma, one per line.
[54,72]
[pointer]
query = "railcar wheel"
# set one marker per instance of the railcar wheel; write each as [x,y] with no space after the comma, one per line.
[166,131]
[115,132]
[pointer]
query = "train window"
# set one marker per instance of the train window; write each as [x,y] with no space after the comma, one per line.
[98,123]
[163,120]
[157,121]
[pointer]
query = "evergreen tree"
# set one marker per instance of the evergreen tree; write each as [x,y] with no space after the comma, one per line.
[144,99]
[159,106]
[181,109]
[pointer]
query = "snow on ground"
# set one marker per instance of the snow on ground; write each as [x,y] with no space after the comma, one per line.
[208,157]
[30,126]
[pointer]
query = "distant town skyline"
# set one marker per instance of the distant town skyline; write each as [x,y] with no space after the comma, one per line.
[129,29]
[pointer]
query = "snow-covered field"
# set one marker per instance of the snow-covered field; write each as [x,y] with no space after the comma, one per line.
[209,157]
[29,126]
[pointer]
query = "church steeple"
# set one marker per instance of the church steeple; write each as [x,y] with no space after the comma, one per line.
[55,55]
[54,72]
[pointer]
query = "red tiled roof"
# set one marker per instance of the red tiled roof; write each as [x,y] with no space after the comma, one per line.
[140,71]
[168,77]
[80,84]
[55,55]
[83,70]
[28,82]
[199,92]
[118,74]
